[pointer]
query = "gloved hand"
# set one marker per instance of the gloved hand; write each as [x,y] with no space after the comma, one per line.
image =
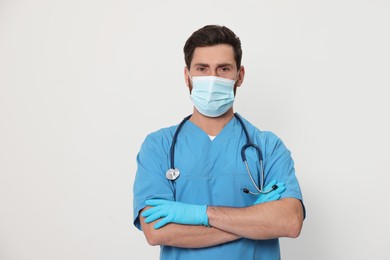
[175,212]
[271,196]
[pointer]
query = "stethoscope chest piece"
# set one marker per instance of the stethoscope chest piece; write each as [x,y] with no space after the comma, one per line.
[172,174]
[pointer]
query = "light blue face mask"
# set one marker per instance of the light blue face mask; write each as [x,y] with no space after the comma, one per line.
[212,96]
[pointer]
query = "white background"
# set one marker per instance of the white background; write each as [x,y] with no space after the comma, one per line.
[82,83]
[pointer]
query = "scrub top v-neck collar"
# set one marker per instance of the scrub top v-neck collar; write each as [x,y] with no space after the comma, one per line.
[198,134]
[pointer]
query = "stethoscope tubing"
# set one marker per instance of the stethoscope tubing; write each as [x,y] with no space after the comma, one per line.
[173,173]
[172,150]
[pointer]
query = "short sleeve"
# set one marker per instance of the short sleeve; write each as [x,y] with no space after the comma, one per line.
[279,165]
[150,181]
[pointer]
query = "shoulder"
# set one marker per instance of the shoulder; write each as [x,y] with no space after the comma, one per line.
[162,133]
[256,132]
[161,136]
[264,138]
[156,143]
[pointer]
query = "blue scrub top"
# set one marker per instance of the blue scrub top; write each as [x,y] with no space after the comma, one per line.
[213,173]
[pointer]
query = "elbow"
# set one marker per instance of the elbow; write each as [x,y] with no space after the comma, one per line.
[294,229]
[153,237]
[152,240]
[156,237]
[295,224]
[294,221]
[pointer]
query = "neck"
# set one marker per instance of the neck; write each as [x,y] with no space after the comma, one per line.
[211,125]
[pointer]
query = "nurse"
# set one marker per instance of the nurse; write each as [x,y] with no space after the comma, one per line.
[203,212]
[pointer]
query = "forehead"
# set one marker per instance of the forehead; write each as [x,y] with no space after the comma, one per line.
[217,54]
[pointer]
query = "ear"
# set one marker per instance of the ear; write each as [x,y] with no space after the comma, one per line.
[241,75]
[186,76]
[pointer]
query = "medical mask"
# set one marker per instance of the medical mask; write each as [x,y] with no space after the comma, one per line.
[212,96]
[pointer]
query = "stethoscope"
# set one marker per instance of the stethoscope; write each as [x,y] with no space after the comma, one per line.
[173,173]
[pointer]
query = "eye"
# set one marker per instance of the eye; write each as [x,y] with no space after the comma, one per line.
[201,69]
[225,69]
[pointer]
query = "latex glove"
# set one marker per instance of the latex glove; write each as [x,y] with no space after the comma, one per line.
[271,196]
[175,212]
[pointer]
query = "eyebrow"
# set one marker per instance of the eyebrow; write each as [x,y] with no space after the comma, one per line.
[225,65]
[219,65]
[201,65]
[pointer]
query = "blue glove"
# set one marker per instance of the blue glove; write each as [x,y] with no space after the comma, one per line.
[175,212]
[271,196]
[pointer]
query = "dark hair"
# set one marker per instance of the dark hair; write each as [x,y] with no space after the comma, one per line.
[211,35]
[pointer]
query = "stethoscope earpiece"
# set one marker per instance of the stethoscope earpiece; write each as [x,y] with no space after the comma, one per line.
[274,187]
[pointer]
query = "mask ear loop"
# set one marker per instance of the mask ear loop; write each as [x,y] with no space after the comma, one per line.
[189,83]
[189,75]
[238,76]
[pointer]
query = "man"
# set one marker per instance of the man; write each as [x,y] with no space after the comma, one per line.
[219,205]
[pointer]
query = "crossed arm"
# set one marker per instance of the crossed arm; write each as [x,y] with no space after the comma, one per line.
[281,218]
[187,236]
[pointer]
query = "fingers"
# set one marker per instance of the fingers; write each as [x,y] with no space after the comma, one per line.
[279,190]
[150,211]
[156,211]
[156,202]
[270,184]
[274,197]
[271,192]
[154,217]
[273,187]
[281,187]
[162,223]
